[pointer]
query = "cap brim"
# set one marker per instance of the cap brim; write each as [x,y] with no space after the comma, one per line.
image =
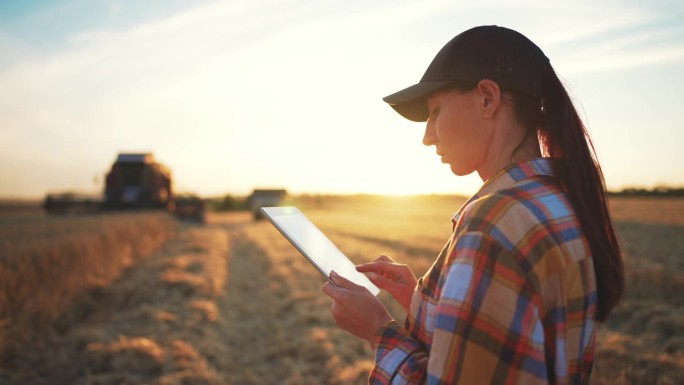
[410,102]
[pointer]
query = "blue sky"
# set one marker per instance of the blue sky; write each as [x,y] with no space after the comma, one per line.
[243,94]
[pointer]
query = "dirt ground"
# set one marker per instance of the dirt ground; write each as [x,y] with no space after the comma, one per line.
[232,302]
[643,340]
[225,303]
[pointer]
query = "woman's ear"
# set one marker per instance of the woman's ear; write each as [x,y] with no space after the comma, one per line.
[490,93]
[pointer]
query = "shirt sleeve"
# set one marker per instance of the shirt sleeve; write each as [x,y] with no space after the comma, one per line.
[399,358]
[486,326]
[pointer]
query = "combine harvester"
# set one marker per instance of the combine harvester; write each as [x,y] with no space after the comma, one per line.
[134,182]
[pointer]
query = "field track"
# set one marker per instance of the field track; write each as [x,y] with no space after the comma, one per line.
[226,303]
[231,302]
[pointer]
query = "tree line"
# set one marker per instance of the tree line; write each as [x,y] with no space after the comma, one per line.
[653,192]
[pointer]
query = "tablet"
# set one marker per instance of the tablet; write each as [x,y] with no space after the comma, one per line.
[314,245]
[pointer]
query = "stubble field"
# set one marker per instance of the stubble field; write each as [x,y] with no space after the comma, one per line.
[231,302]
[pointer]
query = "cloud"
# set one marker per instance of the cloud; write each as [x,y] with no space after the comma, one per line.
[215,86]
[615,60]
[13,51]
[598,37]
[228,83]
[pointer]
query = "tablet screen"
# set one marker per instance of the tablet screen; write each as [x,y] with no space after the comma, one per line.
[314,245]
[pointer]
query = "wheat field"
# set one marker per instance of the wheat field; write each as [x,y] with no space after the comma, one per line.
[232,302]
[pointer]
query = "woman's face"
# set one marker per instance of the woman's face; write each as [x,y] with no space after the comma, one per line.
[456,128]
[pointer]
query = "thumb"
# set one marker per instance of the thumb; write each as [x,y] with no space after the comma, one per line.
[344,282]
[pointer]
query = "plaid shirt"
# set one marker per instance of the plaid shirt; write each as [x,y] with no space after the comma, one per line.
[510,299]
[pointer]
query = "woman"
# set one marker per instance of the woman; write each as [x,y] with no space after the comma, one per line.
[533,262]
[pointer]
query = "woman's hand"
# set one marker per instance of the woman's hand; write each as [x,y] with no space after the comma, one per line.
[355,309]
[396,278]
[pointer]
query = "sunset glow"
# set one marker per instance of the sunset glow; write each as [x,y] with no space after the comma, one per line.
[236,95]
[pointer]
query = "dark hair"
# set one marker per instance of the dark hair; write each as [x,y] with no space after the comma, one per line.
[563,136]
[543,107]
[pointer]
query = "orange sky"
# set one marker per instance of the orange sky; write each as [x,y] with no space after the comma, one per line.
[237,95]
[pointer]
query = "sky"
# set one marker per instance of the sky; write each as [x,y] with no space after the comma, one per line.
[236,95]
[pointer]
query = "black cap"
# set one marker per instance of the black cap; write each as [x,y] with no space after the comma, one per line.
[503,55]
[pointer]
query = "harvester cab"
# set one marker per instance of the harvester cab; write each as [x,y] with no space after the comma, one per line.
[137,181]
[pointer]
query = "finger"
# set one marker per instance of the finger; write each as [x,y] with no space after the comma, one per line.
[381,267]
[330,290]
[376,266]
[335,308]
[382,258]
[345,283]
[372,272]
[383,282]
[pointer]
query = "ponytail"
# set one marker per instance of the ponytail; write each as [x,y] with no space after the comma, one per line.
[563,136]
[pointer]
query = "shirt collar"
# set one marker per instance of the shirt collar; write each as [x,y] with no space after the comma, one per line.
[508,177]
